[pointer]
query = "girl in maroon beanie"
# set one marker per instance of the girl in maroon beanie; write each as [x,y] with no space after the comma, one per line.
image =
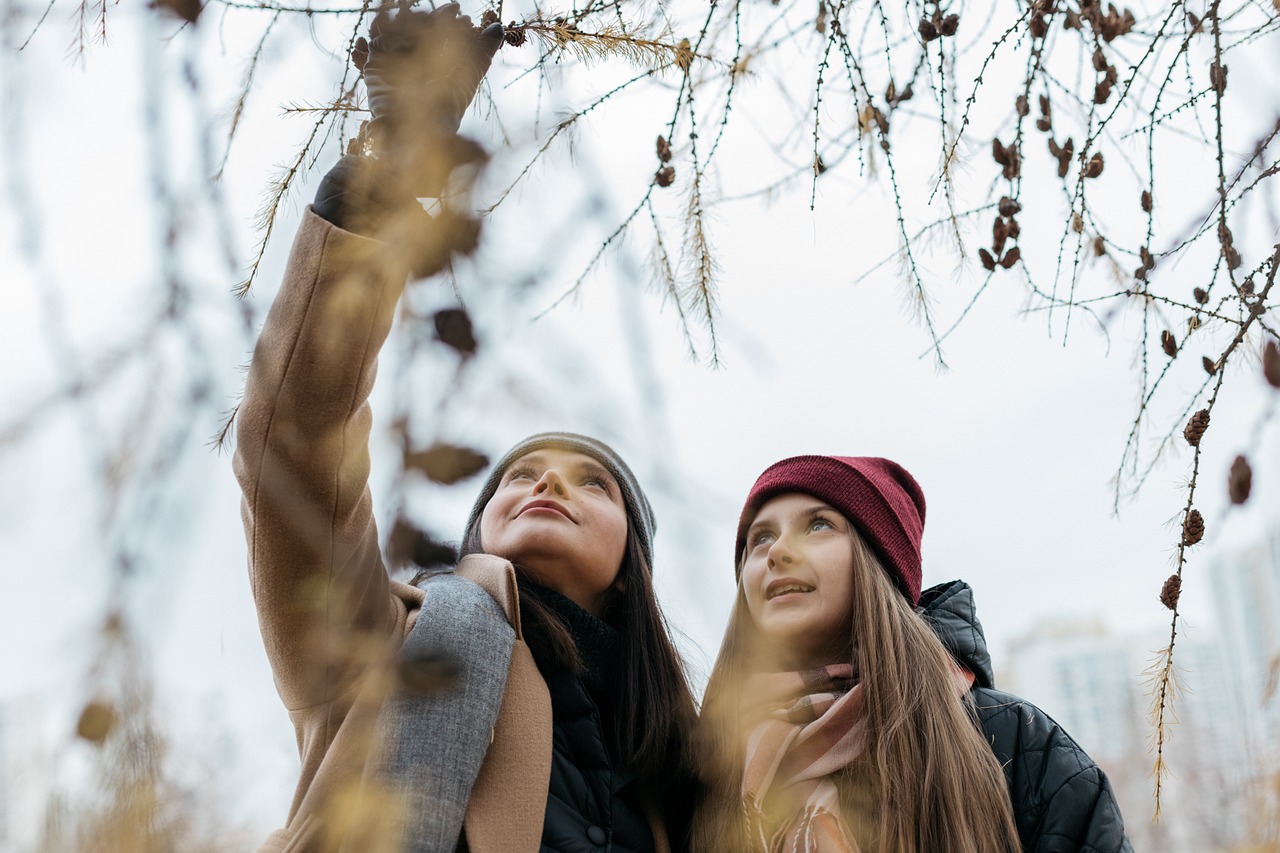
[849,712]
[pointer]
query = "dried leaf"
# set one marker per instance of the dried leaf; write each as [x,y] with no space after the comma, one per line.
[453,327]
[446,463]
[1240,480]
[186,10]
[97,720]
[408,544]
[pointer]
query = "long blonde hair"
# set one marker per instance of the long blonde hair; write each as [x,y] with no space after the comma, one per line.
[939,785]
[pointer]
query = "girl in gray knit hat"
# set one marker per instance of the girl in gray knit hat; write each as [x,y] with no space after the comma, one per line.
[530,699]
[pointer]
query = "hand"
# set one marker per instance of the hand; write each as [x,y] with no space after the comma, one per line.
[422,70]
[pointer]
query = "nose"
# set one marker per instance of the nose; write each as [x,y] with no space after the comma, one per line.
[780,553]
[552,482]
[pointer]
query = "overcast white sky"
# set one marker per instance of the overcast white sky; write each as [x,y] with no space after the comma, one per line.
[1015,445]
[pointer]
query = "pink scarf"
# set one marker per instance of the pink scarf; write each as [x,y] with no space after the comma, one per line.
[811,725]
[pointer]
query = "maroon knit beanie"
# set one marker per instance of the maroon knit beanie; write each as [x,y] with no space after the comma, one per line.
[882,500]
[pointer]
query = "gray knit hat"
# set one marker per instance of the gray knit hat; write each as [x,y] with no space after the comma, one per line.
[639,512]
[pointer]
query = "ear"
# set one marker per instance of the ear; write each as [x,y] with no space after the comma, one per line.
[620,583]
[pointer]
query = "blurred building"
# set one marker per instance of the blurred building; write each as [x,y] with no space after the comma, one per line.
[1223,744]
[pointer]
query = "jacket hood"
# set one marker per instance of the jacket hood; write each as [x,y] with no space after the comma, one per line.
[950,611]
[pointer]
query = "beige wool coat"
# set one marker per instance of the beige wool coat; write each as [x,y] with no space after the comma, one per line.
[331,618]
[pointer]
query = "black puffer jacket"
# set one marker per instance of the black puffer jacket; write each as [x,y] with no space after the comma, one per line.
[592,801]
[1062,801]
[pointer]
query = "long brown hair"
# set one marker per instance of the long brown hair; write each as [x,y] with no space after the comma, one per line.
[653,708]
[939,785]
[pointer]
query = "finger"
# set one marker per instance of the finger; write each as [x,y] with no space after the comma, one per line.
[490,39]
[381,22]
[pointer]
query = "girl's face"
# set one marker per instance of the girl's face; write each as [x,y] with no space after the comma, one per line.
[797,579]
[560,515]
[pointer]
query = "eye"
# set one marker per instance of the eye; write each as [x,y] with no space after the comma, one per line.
[597,480]
[761,537]
[521,472]
[821,523]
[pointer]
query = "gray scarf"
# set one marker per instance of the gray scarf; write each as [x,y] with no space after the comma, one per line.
[433,741]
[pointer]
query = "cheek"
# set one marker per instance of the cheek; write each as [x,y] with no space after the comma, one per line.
[491,523]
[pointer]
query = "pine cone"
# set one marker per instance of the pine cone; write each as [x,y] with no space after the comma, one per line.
[1193,528]
[1240,480]
[1271,363]
[1170,591]
[1195,427]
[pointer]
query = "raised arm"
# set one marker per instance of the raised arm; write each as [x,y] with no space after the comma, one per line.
[302,456]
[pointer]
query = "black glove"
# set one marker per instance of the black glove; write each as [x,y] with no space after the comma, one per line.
[421,70]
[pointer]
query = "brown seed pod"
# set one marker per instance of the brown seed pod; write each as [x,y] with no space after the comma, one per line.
[1148,262]
[1210,366]
[1201,295]
[664,149]
[1146,201]
[446,463]
[1193,528]
[1094,167]
[1013,228]
[988,262]
[1193,323]
[818,166]
[1240,480]
[928,31]
[97,720]
[1099,60]
[1099,246]
[1045,106]
[1038,26]
[1271,363]
[1077,223]
[1101,92]
[1010,257]
[1013,168]
[1020,105]
[1195,428]
[1218,78]
[1170,591]
[665,176]
[1044,125]
[999,233]
[949,25]
[999,153]
[514,35]
[1233,257]
[1169,343]
[489,17]
[1008,207]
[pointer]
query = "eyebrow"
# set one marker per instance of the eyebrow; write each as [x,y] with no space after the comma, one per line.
[808,513]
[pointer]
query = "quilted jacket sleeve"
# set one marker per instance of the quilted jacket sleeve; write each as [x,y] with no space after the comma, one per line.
[302,461]
[1062,800]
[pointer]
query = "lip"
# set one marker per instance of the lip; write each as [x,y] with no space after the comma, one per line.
[773,590]
[555,506]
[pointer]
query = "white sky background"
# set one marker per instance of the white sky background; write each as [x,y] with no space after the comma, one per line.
[1015,445]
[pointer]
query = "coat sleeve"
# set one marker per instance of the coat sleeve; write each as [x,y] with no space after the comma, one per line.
[302,460]
[1062,801]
